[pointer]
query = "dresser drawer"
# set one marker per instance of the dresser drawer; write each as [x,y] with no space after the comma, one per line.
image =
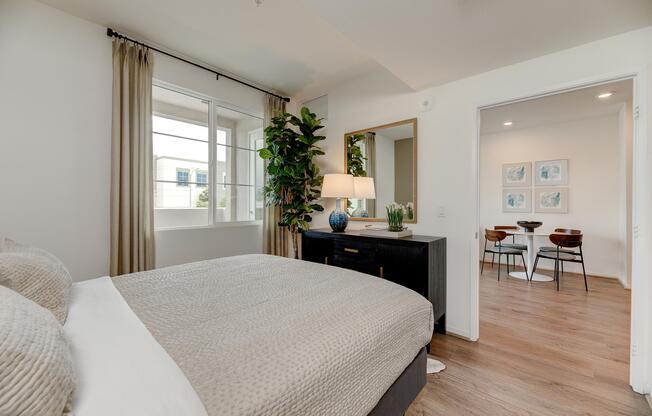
[359,256]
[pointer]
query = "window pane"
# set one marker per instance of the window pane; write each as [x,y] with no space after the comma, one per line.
[239,169]
[181,155]
[236,203]
[237,129]
[239,166]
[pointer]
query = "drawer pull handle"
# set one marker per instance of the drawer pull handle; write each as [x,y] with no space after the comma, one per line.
[382,272]
[326,260]
[351,250]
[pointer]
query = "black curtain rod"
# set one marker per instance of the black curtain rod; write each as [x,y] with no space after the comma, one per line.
[113,34]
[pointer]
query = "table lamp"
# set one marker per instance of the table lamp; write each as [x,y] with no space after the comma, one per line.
[364,190]
[338,185]
[364,187]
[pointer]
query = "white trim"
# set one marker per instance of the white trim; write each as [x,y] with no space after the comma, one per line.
[216,225]
[458,333]
[638,365]
[639,350]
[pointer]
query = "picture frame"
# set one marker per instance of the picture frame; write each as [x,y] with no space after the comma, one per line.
[517,200]
[551,200]
[551,172]
[517,175]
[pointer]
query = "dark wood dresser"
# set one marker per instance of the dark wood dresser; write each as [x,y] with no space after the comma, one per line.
[417,262]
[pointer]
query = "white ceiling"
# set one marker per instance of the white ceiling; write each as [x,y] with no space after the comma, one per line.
[558,108]
[394,133]
[431,42]
[281,45]
[301,47]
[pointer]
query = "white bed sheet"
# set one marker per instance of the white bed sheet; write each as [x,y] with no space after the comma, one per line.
[121,369]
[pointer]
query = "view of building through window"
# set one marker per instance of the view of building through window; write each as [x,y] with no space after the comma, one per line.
[203,178]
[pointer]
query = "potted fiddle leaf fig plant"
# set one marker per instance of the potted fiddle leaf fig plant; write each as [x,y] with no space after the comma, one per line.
[293,178]
[354,158]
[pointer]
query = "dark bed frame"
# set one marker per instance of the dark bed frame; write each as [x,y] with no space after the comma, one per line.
[402,393]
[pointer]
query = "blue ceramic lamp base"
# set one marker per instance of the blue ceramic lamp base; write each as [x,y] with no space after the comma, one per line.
[338,220]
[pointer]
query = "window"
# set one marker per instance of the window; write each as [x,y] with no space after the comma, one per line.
[204,176]
[182,177]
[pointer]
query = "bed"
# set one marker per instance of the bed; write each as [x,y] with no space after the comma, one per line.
[247,335]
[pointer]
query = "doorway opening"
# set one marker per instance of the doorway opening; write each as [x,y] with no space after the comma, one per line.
[564,160]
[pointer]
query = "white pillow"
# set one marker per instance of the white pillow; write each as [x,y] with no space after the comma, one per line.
[36,373]
[37,275]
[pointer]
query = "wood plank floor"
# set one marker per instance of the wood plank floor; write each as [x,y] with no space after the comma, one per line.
[540,353]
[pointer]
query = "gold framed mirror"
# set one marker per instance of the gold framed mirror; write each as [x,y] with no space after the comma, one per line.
[386,154]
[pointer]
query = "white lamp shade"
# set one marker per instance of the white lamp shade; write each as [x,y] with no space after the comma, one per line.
[364,187]
[337,185]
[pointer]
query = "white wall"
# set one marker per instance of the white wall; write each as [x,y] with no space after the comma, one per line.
[55,135]
[596,186]
[446,141]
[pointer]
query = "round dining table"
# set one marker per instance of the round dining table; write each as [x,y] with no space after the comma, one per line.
[531,256]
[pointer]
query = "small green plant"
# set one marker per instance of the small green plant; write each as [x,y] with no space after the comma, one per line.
[395,216]
[293,178]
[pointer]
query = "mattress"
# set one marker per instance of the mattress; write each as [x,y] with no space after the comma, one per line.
[265,335]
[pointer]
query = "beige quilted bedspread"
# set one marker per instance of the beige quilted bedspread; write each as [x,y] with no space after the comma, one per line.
[265,335]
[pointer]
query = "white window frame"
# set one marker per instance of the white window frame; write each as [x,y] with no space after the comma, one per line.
[213,103]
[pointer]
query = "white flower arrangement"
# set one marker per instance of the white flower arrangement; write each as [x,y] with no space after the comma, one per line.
[395,214]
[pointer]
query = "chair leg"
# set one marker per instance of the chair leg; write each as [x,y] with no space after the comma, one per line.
[562,267]
[557,273]
[525,267]
[586,285]
[483,257]
[499,267]
[493,257]
[507,262]
[534,267]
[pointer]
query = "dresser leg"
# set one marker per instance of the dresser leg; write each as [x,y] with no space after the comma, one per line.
[440,325]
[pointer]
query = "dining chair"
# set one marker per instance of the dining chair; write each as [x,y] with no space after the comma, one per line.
[561,242]
[563,250]
[497,237]
[507,229]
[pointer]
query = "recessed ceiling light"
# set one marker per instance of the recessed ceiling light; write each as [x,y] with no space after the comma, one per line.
[508,123]
[605,95]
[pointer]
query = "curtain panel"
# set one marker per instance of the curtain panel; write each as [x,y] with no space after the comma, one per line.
[132,194]
[275,238]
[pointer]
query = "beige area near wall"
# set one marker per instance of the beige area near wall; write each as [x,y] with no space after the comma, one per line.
[403,168]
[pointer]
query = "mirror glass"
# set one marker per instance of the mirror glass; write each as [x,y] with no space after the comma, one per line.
[387,154]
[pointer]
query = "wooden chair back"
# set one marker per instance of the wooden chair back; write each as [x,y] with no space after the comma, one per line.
[566,240]
[567,231]
[495,235]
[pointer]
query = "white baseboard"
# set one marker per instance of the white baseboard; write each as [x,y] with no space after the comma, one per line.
[588,273]
[459,333]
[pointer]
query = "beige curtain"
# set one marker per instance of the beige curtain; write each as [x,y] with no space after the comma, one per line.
[275,238]
[370,142]
[132,208]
